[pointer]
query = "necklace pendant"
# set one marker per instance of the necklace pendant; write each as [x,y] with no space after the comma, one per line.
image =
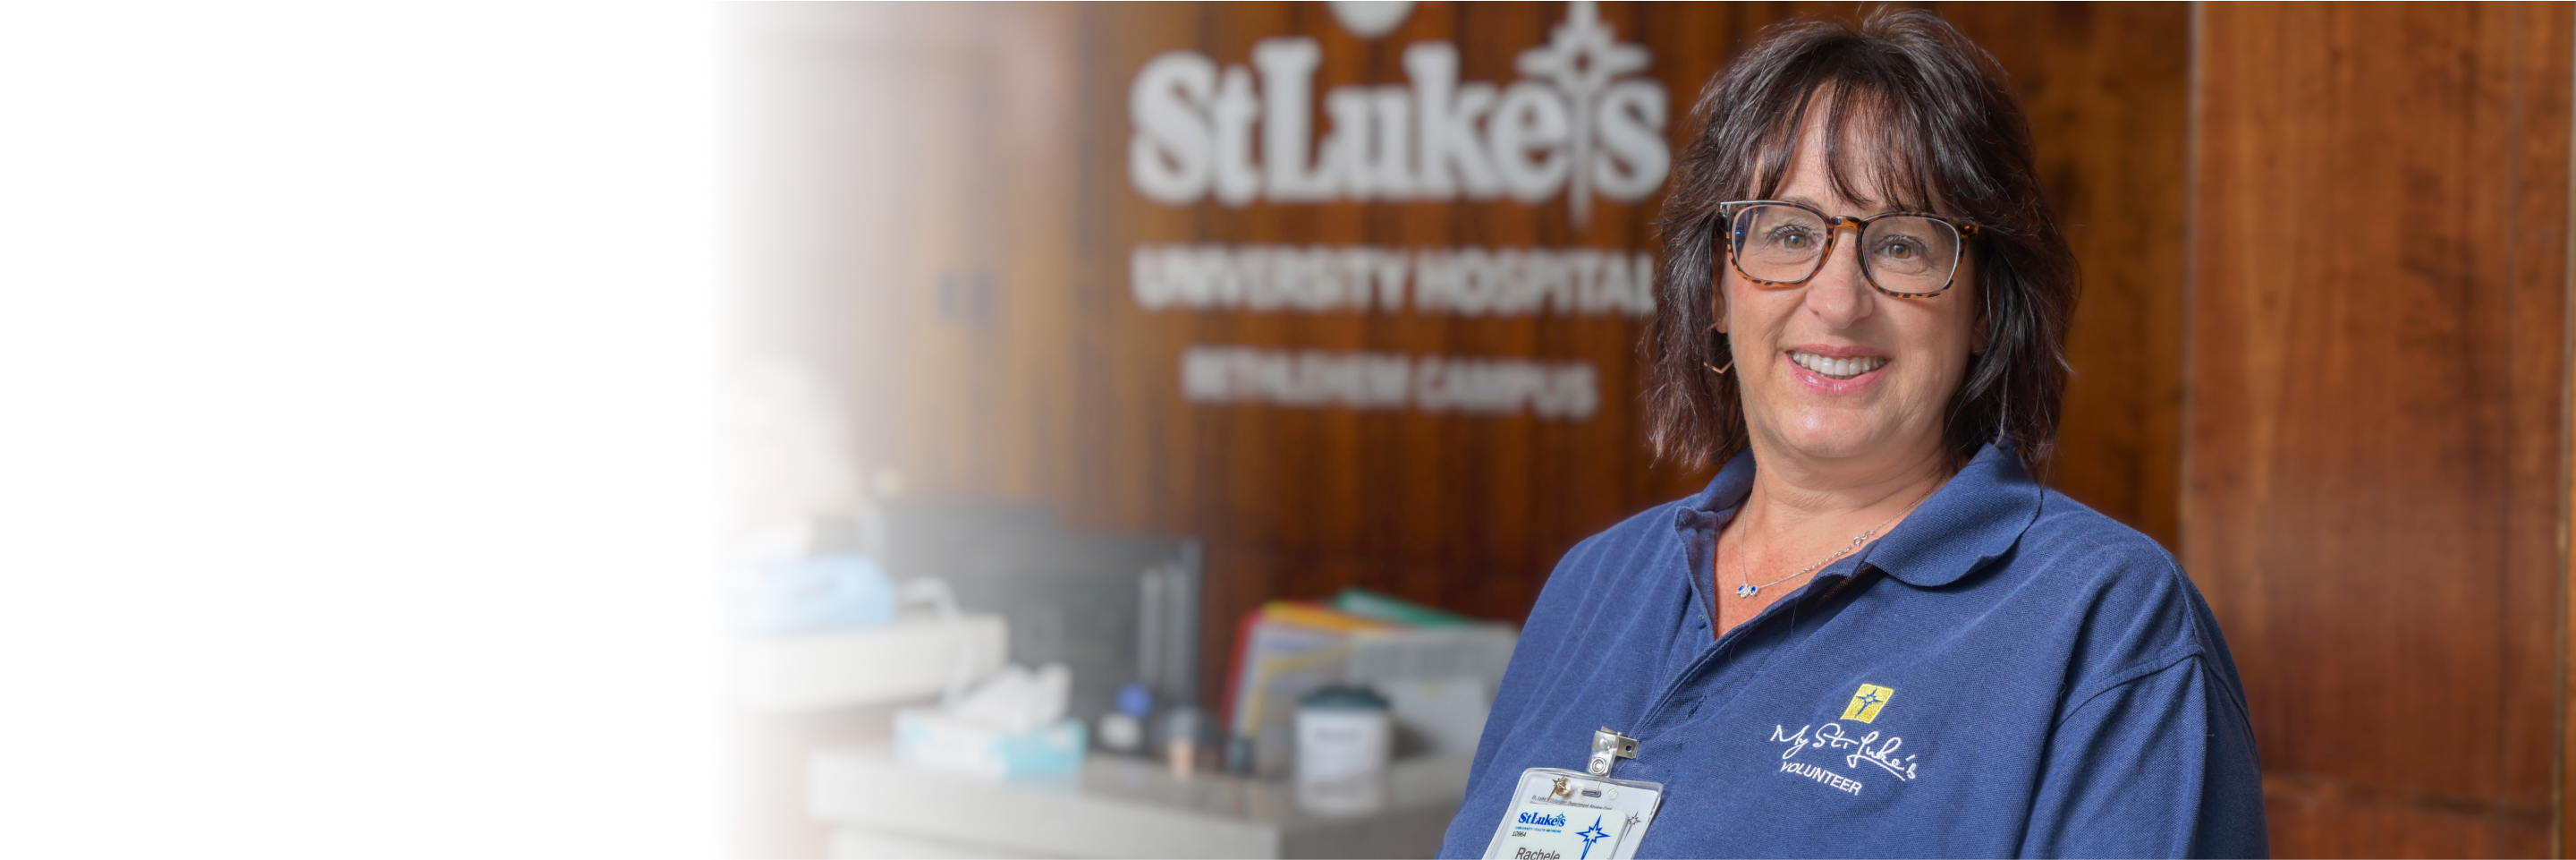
[1746,590]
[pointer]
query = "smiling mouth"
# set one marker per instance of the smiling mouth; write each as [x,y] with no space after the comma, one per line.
[1837,368]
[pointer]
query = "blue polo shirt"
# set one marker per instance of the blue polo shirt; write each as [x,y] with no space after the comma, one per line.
[2005,673]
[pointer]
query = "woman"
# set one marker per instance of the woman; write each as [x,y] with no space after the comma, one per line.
[1874,633]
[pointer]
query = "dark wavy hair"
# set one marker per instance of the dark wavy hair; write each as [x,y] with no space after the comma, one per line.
[1919,118]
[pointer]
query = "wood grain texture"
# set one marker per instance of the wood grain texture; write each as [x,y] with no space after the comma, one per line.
[2106,88]
[2376,375]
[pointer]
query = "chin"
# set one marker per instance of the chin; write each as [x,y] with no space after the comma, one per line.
[1835,437]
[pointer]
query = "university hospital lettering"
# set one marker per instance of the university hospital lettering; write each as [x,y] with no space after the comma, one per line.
[1578,123]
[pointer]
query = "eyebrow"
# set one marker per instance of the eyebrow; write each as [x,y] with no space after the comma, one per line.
[1812,204]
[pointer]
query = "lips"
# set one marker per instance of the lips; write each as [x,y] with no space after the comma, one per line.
[1834,368]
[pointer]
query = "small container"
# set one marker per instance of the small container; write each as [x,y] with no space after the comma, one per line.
[1181,725]
[1343,732]
[1123,730]
[1119,732]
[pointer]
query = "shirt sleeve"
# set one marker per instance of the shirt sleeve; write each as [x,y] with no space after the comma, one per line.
[2161,765]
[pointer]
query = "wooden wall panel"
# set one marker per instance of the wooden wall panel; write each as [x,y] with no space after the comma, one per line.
[2376,375]
[2106,87]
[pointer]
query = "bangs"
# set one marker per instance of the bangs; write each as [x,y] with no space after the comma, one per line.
[1876,149]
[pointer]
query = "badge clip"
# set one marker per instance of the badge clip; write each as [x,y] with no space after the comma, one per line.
[1607,746]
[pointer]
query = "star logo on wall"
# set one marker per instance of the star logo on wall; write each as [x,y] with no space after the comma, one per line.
[1582,56]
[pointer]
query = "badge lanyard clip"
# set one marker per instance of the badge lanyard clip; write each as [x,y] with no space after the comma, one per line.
[1607,747]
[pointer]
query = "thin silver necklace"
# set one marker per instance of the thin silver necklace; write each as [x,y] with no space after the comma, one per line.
[1748,589]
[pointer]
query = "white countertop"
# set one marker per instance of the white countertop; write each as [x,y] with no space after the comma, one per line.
[1132,807]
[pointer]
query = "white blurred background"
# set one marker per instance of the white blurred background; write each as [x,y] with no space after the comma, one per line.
[351,371]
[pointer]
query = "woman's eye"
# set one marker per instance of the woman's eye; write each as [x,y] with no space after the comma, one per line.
[1899,249]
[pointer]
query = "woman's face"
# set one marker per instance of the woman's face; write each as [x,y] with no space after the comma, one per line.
[1832,370]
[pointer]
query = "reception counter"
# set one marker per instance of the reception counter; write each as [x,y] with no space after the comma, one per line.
[1128,807]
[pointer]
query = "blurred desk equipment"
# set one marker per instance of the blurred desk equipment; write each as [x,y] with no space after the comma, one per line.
[1114,609]
[826,658]
[1343,734]
[1437,671]
[1011,726]
[1129,807]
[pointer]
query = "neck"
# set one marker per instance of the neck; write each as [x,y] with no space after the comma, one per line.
[1813,499]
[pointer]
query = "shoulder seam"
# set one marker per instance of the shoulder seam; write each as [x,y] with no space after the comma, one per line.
[2192,643]
[2134,673]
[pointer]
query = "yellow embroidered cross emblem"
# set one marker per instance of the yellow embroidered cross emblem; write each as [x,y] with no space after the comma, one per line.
[1866,704]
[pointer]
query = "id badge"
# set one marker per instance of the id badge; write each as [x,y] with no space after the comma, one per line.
[1558,814]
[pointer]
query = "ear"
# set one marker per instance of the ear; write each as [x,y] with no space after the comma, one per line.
[1717,299]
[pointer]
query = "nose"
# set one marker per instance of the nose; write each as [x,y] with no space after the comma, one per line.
[1839,294]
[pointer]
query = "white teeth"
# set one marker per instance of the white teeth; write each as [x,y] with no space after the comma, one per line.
[1837,368]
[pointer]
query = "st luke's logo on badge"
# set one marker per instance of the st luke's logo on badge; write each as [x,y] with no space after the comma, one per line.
[1866,703]
[1591,835]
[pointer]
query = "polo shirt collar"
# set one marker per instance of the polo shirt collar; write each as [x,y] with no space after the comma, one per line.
[1974,519]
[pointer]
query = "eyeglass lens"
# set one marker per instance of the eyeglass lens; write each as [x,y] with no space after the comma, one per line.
[1900,253]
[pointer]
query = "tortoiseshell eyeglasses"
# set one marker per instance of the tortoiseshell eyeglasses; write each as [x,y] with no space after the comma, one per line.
[1908,255]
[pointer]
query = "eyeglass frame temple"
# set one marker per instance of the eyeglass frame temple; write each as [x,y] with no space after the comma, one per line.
[1834,233]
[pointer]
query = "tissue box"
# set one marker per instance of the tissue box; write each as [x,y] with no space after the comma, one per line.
[928,738]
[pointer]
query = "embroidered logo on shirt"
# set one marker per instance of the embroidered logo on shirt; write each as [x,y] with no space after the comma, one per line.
[1873,748]
[1866,704]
